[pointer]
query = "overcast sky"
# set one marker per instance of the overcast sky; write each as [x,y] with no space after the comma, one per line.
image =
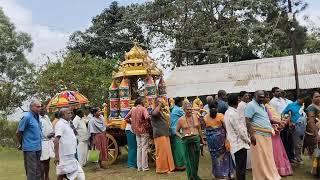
[50,22]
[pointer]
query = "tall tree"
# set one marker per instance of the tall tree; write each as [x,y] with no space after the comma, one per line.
[277,43]
[110,34]
[16,73]
[89,75]
[210,31]
[312,43]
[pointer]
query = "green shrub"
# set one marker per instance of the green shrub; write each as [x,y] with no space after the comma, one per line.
[8,133]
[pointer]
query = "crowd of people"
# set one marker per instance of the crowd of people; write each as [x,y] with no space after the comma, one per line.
[261,133]
[66,139]
[267,135]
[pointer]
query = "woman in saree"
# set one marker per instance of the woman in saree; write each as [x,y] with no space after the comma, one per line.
[311,140]
[97,131]
[279,152]
[159,122]
[219,147]
[189,130]
[176,142]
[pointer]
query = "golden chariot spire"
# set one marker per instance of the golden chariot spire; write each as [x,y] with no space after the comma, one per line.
[137,62]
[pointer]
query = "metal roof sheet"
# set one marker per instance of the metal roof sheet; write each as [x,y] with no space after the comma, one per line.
[249,75]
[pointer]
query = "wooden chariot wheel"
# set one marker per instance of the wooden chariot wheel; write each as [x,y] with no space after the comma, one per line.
[113,149]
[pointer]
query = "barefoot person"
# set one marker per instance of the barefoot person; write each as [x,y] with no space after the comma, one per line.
[260,131]
[65,145]
[164,160]
[175,140]
[297,125]
[191,137]
[29,138]
[80,124]
[97,131]
[279,152]
[279,104]
[237,135]
[222,163]
[245,99]
[139,119]
[47,151]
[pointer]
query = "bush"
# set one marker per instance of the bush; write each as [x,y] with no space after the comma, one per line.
[8,133]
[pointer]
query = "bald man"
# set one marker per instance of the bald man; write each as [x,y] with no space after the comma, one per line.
[260,130]
[65,145]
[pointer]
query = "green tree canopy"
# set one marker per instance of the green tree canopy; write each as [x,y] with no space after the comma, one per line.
[17,74]
[210,31]
[91,76]
[110,34]
[312,43]
[202,31]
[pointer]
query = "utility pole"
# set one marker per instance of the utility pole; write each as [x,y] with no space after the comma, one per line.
[293,46]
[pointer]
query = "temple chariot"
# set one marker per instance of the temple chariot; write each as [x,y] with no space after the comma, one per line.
[137,75]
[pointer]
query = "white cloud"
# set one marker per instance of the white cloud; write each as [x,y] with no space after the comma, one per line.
[47,41]
[313,15]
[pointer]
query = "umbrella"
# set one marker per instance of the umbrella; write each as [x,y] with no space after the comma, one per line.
[70,99]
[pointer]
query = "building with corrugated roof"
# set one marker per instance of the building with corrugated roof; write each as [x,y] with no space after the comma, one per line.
[251,75]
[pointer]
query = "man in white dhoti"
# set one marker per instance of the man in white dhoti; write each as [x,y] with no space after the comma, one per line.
[47,151]
[65,148]
[80,124]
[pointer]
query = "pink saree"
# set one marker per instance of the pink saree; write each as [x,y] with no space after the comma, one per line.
[280,156]
[279,152]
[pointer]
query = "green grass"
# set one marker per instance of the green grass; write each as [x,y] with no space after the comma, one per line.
[11,168]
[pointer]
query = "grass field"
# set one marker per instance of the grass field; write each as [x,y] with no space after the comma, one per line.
[11,168]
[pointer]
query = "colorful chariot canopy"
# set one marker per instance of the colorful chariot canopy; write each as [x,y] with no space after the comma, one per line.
[72,99]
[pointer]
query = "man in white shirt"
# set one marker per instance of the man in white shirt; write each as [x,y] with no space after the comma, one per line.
[278,103]
[83,137]
[47,151]
[245,98]
[237,135]
[65,148]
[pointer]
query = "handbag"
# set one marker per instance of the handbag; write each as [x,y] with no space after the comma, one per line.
[93,155]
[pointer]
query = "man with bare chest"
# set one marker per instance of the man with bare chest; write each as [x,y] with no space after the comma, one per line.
[189,130]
